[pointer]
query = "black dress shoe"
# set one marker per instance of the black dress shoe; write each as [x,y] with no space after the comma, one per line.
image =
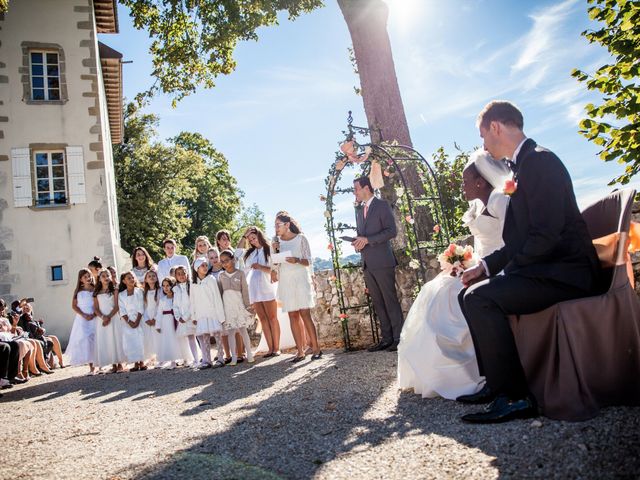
[379,346]
[393,347]
[485,395]
[503,409]
[18,381]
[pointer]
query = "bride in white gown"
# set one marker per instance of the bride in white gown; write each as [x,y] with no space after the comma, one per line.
[436,355]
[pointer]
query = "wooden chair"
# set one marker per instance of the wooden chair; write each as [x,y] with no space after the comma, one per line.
[584,354]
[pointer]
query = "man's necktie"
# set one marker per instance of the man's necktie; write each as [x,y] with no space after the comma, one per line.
[366,209]
[512,165]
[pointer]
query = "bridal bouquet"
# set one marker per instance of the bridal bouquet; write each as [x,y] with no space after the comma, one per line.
[456,259]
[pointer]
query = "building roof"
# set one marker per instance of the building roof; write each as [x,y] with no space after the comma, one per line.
[111,63]
[106,12]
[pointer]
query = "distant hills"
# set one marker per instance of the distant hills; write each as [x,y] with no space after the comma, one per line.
[324,264]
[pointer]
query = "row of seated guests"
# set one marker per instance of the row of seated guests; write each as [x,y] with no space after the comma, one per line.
[26,349]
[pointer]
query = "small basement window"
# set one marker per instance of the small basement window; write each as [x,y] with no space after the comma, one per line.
[56,273]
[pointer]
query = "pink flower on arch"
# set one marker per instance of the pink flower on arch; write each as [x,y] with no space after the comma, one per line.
[436,229]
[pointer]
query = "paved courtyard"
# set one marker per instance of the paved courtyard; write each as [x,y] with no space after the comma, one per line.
[340,417]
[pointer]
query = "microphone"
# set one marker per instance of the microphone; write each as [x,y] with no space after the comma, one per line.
[275,239]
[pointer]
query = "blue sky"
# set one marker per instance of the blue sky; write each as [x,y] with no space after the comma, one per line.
[278,118]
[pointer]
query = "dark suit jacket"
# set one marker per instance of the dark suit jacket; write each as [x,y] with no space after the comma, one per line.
[544,233]
[379,228]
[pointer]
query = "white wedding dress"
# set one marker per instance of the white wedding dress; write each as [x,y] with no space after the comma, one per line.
[436,355]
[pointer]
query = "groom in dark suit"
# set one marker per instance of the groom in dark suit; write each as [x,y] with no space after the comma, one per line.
[376,227]
[547,258]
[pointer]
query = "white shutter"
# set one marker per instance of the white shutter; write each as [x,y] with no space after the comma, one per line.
[21,167]
[75,173]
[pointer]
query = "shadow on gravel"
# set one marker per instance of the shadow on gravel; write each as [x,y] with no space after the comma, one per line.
[336,411]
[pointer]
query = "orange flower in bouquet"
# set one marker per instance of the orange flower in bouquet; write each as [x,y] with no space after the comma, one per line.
[456,259]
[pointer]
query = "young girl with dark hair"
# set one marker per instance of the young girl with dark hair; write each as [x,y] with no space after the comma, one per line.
[237,309]
[182,310]
[131,305]
[151,291]
[261,292]
[82,340]
[108,339]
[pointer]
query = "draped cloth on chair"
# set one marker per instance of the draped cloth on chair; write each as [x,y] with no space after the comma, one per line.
[584,354]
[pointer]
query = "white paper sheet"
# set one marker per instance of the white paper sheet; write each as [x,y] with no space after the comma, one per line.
[280,257]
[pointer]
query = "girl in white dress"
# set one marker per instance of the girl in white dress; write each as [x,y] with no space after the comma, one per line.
[82,340]
[237,309]
[262,295]
[182,310]
[106,308]
[131,306]
[436,354]
[151,292]
[207,310]
[295,286]
[171,347]
[213,257]
[223,242]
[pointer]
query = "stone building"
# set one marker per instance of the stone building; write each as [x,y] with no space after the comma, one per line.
[60,113]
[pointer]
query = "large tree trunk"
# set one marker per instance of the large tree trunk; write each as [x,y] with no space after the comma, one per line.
[367,23]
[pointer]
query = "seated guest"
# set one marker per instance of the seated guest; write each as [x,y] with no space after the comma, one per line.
[27,309]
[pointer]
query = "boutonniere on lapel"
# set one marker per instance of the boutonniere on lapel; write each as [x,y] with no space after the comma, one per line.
[510,186]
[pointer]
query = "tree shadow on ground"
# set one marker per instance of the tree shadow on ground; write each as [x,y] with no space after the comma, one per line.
[339,411]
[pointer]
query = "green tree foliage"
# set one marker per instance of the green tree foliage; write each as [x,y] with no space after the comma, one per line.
[250,216]
[448,174]
[179,189]
[620,35]
[193,40]
[217,200]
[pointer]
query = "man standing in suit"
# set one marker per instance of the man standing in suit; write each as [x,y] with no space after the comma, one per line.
[376,227]
[547,258]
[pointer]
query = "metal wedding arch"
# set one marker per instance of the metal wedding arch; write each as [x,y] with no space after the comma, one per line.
[417,203]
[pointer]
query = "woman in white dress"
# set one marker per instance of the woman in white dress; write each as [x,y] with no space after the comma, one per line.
[436,355]
[295,285]
[262,295]
[131,306]
[106,309]
[82,339]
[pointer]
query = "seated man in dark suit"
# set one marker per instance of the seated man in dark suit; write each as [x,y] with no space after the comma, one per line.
[547,258]
[376,227]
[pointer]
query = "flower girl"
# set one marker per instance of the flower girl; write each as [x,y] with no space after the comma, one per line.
[151,290]
[131,306]
[182,309]
[237,309]
[171,346]
[82,340]
[207,310]
[108,339]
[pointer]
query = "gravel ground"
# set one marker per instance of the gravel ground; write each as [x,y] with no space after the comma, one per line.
[340,417]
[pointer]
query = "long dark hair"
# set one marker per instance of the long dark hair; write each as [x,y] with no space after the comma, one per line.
[81,273]
[111,288]
[121,286]
[266,248]
[146,286]
[220,234]
[284,217]
[148,261]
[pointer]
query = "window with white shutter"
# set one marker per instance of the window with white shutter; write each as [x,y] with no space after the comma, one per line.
[21,169]
[75,172]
